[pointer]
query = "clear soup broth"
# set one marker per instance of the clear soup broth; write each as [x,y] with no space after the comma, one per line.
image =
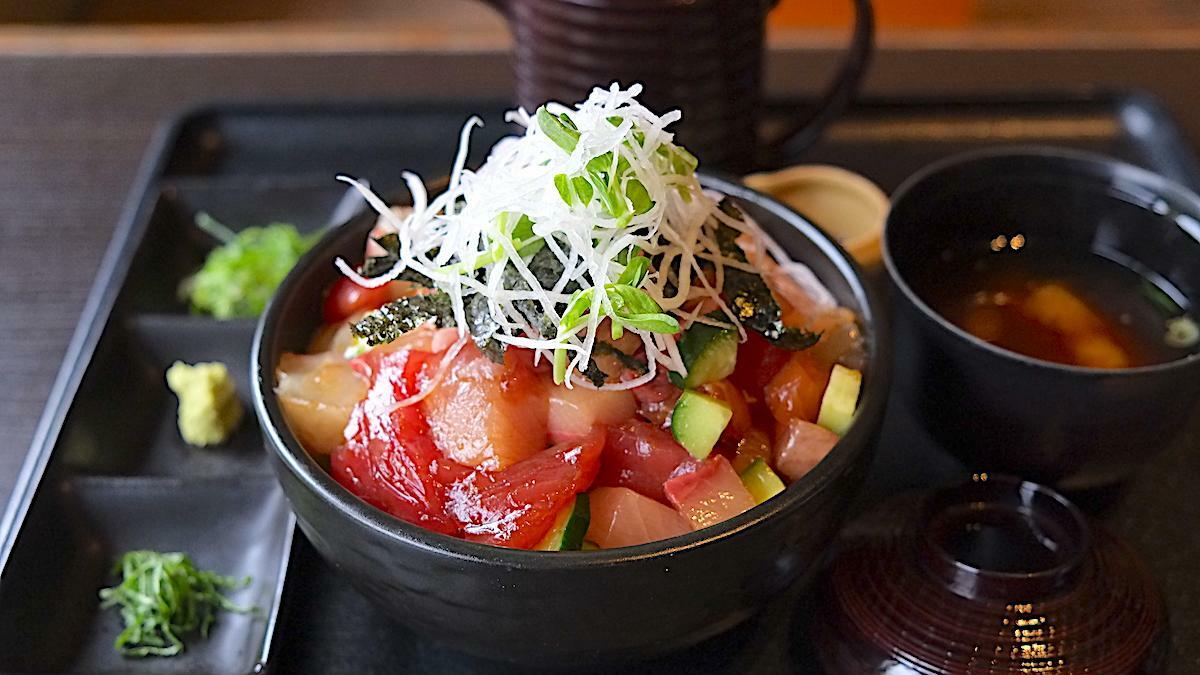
[1082,310]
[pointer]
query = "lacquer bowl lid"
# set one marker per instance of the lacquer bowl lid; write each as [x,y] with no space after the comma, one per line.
[994,576]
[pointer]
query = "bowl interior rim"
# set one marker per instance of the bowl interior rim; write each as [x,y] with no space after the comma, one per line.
[1094,167]
[297,461]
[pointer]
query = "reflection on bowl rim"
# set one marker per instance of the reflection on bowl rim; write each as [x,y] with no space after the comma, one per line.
[318,481]
[1123,172]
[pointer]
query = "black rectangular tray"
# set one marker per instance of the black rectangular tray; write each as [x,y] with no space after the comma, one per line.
[107,471]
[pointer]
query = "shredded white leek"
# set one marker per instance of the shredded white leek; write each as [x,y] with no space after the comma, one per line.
[468,230]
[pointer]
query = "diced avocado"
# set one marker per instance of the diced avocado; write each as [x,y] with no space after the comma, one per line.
[209,409]
[708,352]
[761,481]
[840,399]
[697,422]
[570,525]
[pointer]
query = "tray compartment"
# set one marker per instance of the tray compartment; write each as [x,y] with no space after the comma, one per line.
[124,420]
[117,410]
[174,247]
[77,529]
[162,339]
[238,203]
[171,249]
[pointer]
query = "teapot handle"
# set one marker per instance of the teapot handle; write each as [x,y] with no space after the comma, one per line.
[799,135]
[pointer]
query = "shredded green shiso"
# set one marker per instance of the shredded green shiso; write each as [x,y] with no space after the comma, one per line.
[593,215]
[240,276]
[162,596]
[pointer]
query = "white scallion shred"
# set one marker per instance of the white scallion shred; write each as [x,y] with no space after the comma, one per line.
[472,220]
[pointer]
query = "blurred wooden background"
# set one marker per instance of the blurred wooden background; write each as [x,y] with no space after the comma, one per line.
[793,13]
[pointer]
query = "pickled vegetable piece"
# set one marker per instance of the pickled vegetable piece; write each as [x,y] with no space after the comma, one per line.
[570,525]
[840,399]
[761,481]
[698,422]
[740,419]
[709,353]
[240,276]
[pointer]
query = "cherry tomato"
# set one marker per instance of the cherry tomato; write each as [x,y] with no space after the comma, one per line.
[346,298]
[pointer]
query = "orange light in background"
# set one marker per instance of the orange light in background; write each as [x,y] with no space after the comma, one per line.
[900,13]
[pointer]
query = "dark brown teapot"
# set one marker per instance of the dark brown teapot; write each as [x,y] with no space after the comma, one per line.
[703,57]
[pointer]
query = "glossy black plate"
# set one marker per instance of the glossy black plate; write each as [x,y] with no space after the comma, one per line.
[107,471]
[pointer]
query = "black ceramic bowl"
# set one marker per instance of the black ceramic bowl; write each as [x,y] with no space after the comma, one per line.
[546,608]
[1001,411]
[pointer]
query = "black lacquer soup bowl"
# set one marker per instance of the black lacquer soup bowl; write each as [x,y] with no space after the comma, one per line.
[1070,426]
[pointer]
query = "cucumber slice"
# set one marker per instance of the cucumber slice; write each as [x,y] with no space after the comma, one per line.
[760,481]
[697,422]
[708,352]
[570,525]
[840,399]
